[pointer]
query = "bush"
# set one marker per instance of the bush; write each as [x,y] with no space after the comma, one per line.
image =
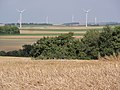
[13,53]
[90,43]
[2,53]
[109,41]
[50,48]
[26,51]
[9,30]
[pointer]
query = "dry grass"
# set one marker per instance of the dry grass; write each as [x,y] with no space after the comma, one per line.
[27,74]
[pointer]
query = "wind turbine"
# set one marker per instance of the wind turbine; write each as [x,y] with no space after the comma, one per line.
[72,18]
[95,21]
[20,19]
[47,20]
[86,12]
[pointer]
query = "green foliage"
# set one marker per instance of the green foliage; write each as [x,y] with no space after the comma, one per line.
[93,45]
[13,53]
[90,43]
[109,41]
[9,30]
[2,53]
[50,48]
[26,51]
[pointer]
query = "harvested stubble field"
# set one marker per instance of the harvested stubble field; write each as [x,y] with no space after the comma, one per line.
[14,43]
[26,74]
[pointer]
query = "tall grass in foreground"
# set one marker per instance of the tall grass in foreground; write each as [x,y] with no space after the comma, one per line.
[25,74]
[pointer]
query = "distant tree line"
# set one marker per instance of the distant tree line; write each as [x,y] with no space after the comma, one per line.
[9,30]
[42,24]
[93,45]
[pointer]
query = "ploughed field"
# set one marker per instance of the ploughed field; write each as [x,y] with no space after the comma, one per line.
[26,74]
[29,35]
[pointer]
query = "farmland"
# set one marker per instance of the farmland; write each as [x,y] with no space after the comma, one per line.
[26,74]
[57,30]
[28,35]
[14,44]
[18,73]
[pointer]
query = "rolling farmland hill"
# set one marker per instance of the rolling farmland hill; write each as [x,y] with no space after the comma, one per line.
[29,35]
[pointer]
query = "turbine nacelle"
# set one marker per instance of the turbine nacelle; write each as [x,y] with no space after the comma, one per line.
[87,11]
[20,11]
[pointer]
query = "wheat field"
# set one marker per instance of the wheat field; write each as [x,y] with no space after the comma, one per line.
[26,74]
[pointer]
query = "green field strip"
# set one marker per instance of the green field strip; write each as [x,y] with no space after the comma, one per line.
[61,30]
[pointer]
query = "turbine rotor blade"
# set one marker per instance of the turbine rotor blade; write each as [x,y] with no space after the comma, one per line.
[88,10]
[18,10]
[84,10]
[23,10]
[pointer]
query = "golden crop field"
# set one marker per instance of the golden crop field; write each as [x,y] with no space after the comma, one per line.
[26,74]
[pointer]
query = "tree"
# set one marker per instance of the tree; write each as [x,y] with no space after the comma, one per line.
[50,48]
[90,44]
[2,53]
[26,51]
[109,41]
[9,30]
[105,42]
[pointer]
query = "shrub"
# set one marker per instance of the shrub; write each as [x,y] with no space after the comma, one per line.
[51,48]
[90,44]
[109,41]
[9,30]
[2,53]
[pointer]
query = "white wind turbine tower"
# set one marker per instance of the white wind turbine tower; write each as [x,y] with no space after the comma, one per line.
[86,12]
[95,21]
[47,20]
[20,19]
[72,18]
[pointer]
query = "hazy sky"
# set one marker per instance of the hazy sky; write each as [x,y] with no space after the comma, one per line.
[59,11]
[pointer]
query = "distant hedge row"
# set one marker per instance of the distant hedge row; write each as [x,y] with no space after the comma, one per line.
[9,30]
[93,45]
